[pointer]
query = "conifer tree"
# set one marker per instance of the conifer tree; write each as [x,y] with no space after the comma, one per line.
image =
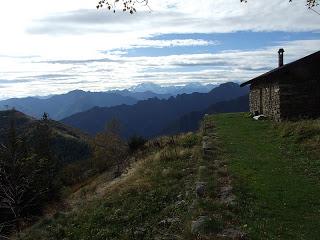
[49,164]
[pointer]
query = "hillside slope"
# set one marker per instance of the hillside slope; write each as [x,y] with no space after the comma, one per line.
[148,118]
[236,179]
[171,192]
[68,144]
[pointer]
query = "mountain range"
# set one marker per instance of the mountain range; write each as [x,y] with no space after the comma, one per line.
[173,90]
[147,114]
[64,105]
[152,117]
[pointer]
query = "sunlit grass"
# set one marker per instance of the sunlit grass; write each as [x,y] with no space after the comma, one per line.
[272,166]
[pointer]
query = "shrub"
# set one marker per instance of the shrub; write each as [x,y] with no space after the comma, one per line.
[109,149]
[189,140]
[136,143]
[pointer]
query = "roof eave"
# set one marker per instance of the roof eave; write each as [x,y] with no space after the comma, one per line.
[246,83]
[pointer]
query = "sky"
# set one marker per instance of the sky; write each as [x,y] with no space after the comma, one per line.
[49,47]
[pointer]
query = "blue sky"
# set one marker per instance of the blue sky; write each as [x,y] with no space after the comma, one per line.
[60,46]
[243,40]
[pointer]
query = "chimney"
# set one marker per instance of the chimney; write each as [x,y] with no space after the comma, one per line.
[280,52]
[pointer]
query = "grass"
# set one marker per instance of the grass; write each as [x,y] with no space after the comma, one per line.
[275,169]
[156,199]
[276,175]
[152,201]
[306,134]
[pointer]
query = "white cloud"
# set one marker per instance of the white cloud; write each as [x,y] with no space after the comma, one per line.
[66,26]
[37,37]
[172,43]
[127,71]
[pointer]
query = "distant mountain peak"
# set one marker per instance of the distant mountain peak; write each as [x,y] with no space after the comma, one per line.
[77,91]
[172,89]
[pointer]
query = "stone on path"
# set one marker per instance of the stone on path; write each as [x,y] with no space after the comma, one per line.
[207,146]
[198,225]
[233,234]
[226,195]
[201,189]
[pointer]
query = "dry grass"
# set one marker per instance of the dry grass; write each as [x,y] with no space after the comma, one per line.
[141,198]
[304,132]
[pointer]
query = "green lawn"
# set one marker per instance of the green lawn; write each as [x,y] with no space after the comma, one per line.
[278,196]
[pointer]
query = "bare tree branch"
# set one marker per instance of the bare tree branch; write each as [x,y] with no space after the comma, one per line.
[125,5]
[130,5]
[314,11]
[309,3]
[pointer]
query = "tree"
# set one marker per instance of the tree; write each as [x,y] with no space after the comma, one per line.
[42,148]
[109,149]
[12,189]
[18,176]
[25,184]
[136,142]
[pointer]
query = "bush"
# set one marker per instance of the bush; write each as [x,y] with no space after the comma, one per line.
[189,140]
[77,172]
[136,143]
[109,150]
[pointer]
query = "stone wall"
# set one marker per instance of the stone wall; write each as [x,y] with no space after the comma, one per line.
[265,99]
[289,99]
[300,99]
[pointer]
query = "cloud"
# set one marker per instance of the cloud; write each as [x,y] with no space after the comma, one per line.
[19,57]
[84,61]
[3,83]
[57,46]
[96,75]
[85,21]
[206,17]
[145,43]
[45,79]
[51,76]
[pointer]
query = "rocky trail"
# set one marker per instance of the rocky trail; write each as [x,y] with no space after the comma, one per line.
[212,164]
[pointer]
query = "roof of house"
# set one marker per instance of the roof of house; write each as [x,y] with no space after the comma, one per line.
[310,61]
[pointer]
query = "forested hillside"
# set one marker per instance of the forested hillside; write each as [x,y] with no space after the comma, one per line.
[191,121]
[67,143]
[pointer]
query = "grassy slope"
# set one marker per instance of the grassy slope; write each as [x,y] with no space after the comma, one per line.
[155,200]
[159,188]
[276,175]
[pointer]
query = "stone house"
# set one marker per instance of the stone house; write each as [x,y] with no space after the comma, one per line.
[290,91]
